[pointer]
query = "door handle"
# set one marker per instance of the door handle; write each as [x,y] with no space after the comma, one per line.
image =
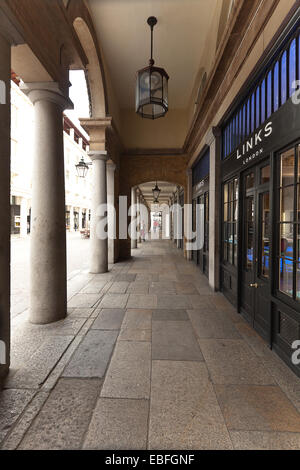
[255,286]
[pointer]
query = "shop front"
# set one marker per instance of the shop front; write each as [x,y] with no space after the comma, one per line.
[201,210]
[260,255]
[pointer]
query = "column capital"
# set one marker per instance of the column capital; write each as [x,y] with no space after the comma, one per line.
[96,128]
[212,134]
[111,165]
[47,91]
[98,155]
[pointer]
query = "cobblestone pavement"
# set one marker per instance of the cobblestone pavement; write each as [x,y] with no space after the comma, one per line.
[148,357]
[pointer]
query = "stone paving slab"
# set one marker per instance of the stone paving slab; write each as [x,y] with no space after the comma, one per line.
[138,287]
[186,288]
[12,404]
[140,301]
[184,412]
[255,440]
[257,408]
[114,301]
[125,277]
[94,287]
[137,319]
[131,334]
[118,424]
[83,300]
[233,362]
[81,312]
[212,325]
[118,287]
[174,302]
[128,375]
[163,287]
[64,419]
[174,341]
[170,315]
[109,319]
[92,355]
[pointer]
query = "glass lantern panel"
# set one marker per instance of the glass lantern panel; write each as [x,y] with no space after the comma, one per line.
[165,90]
[156,85]
[144,80]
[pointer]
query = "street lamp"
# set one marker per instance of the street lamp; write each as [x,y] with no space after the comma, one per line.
[82,168]
[156,192]
[152,86]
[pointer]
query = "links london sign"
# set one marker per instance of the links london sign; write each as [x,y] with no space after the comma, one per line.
[279,130]
[253,147]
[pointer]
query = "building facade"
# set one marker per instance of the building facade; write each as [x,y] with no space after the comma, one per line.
[78,190]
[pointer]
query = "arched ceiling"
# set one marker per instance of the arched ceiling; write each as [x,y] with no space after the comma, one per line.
[180,42]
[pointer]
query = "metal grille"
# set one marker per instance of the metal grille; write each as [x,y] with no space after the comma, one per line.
[288,328]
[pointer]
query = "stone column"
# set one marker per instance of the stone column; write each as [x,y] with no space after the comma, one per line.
[179,222]
[213,141]
[24,213]
[4,206]
[188,214]
[133,218]
[99,244]
[48,277]
[111,168]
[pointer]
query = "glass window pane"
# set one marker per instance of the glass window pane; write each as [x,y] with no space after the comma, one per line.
[230,243]
[287,241]
[248,117]
[244,122]
[265,174]
[249,232]
[292,67]
[235,246]
[257,123]
[287,172]
[265,234]
[230,191]
[263,101]
[286,276]
[287,204]
[250,181]
[298,282]
[284,78]
[225,193]
[276,86]
[236,186]
[253,112]
[269,94]
[240,126]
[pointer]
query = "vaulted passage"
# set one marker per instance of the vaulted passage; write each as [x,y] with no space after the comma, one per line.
[169,316]
[149,357]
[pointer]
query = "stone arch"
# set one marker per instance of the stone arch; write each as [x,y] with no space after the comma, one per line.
[93,71]
[83,25]
[224,16]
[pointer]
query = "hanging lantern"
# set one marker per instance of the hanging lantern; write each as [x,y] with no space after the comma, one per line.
[152,86]
[156,192]
[82,168]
